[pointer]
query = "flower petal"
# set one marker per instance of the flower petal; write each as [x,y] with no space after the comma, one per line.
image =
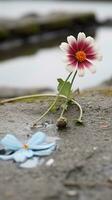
[6,157]
[30,163]
[71,59]
[19,157]
[81,72]
[90,40]
[22,155]
[92,69]
[37,139]
[43,146]
[91,56]
[45,152]
[64,46]
[10,142]
[81,36]
[71,39]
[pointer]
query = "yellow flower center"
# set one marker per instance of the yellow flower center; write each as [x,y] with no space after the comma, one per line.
[80,56]
[25,146]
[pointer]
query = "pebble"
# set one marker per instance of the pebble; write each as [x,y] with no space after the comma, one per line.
[72,193]
[110,179]
[95,148]
[50,162]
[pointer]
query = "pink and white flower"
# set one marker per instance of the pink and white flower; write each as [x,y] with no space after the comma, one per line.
[80,53]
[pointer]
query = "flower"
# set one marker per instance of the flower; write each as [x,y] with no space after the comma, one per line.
[36,146]
[80,53]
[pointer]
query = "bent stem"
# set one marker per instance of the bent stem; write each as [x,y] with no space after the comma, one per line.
[40,96]
[80,109]
[54,102]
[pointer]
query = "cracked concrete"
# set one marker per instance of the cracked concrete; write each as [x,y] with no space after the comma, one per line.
[82,168]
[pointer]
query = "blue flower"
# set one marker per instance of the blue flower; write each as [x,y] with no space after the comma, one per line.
[36,146]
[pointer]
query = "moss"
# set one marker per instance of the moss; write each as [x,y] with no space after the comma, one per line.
[4,33]
[26,29]
[59,23]
[106,91]
[85,18]
[34,99]
[66,21]
[23,28]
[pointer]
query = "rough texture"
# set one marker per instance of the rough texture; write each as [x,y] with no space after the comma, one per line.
[83,161]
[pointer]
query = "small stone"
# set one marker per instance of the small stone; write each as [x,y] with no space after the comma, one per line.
[110,179]
[62,122]
[50,162]
[95,148]
[72,193]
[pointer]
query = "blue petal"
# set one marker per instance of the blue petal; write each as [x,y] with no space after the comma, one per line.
[10,142]
[42,147]
[45,152]
[21,155]
[37,139]
[28,153]
[6,157]
[30,163]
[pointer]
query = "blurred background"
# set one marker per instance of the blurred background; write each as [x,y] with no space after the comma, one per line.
[30,34]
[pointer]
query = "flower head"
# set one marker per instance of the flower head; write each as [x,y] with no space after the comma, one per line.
[80,53]
[36,146]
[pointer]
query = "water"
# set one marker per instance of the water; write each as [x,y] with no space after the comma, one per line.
[44,67]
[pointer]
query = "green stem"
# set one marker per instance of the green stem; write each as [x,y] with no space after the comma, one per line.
[80,109]
[73,78]
[54,102]
[67,100]
[40,96]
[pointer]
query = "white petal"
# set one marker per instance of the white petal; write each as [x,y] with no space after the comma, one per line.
[81,36]
[90,40]
[71,39]
[81,72]
[92,69]
[64,46]
[10,142]
[37,139]
[30,163]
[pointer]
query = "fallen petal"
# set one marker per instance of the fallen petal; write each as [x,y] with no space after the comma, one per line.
[10,142]
[22,155]
[6,157]
[45,152]
[37,139]
[42,147]
[30,163]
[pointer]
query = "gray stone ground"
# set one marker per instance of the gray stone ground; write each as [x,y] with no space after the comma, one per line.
[83,161]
